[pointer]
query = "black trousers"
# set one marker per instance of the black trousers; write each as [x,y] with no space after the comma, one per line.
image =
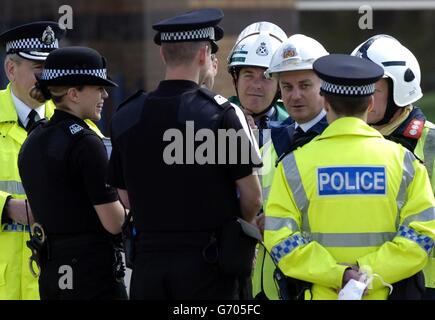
[179,274]
[80,270]
[429,294]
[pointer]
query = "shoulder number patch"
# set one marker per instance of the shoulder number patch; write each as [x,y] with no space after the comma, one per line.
[75,128]
[414,129]
[219,99]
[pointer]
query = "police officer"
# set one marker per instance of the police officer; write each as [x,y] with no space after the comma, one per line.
[247,62]
[27,47]
[180,203]
[394,114]
[63,166]
[255,94]
[364,208]
[291,65]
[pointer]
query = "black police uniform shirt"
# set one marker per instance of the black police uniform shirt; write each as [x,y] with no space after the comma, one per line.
[63,167]
[177,197]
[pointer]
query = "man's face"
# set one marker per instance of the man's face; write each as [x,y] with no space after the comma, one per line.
[381,100]
[300,91]
[211,73]
[22,76]
[256,93]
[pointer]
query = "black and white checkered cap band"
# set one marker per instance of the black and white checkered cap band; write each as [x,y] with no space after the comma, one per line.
[205,33]
[31,43]
[49,74]
[339,89]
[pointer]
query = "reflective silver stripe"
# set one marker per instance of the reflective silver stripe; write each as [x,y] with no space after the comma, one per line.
[265,192]
[108,144]
[286,246]
[274,224]
[426,215]
[407,176]
[429,151]
[425,242]
[266,137]
[295,183]
[366,239]
[12,187]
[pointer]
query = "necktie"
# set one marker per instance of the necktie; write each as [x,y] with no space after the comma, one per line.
[262,123]
[299,131]
[32,119]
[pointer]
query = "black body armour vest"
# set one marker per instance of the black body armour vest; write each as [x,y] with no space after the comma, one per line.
[180,196]
[58,198]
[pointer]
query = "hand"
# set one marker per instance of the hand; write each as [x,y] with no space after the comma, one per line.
[259,221]
[16,210]
[352,266]
[352,274]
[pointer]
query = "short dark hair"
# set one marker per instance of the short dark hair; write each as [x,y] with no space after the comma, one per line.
[347,106]
[178,53]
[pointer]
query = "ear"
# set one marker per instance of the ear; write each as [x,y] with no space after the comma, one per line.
[73,95]
[162,55]
[215,66]
[203,55]
[10,68]
[325,103]
[371,103]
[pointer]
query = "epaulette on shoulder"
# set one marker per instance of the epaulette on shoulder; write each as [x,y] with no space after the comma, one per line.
[127,101]
[75,129]
[216,98]
[128,113]
[414,129]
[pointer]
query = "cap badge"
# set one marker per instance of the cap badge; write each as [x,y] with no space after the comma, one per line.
[48,36]
[262,50]
[289,52]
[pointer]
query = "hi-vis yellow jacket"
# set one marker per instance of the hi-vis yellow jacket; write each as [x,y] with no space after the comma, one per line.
[425,151]
[16,281]
[350,196]
[262,275]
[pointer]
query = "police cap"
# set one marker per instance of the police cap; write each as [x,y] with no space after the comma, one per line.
[197,25]
[75,66]
[33,41]
[346,75]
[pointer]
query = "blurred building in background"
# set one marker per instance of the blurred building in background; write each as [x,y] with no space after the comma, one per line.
[121,30]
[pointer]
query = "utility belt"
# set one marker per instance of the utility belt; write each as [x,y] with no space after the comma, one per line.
[290,288]
[45,248]
[228,246]
[150,241]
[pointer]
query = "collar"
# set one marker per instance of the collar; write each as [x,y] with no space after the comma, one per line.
[349,126]
[269,113]
[307,125]
[60,115]
[23,110]
[395,122]
[175,87]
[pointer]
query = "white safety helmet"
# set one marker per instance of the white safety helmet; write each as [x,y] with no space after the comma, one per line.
[255,46]
[296,53]
[399,64]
